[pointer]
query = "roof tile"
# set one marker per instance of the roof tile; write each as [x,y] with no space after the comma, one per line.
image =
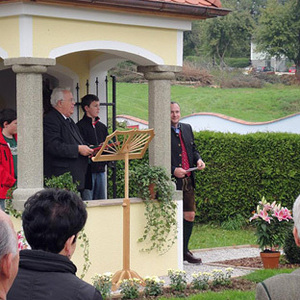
[214,3]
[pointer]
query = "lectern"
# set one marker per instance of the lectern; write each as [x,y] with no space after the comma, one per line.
[125,145]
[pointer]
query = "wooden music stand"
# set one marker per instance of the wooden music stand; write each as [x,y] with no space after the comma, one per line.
[125,145]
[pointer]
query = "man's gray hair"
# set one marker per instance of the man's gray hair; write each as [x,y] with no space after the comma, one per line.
[8,239]
[296,214]
[57,95]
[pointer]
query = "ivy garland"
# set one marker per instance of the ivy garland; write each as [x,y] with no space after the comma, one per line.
[160,231]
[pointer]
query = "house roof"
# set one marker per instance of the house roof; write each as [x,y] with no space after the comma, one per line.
[215,3]
[188,9]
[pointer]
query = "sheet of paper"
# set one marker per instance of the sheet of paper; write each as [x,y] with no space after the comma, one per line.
[192,169]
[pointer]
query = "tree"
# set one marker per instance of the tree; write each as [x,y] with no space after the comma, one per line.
[192,39]
[252,6]
[278,33]
[221,37]
[229,36]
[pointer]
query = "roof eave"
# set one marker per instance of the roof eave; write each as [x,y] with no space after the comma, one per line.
[164,7]
[142,6]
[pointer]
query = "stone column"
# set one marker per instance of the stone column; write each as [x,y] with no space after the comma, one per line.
[30,124]
[159,81]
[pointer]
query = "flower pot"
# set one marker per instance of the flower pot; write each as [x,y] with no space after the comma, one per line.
[270,259]
[152,191]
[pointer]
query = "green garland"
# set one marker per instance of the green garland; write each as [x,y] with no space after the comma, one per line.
[160,231]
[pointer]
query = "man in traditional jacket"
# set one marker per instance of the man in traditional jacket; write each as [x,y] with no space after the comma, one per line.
[184,155]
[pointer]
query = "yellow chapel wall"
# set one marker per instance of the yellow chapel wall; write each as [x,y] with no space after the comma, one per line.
[51,33]
[9,36]
[79,63]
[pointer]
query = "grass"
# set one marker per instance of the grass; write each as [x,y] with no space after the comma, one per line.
[232,295]
[261,275]
[210,236]
[249,104]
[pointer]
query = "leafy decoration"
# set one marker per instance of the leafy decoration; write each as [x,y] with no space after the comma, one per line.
[160,230]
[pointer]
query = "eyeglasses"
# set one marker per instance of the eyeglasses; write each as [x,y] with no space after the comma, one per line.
[70,100]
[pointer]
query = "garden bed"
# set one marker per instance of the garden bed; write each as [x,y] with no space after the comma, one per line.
[255,262]
[237,283]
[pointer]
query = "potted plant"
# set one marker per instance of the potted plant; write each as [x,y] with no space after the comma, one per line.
[161,228]
[272,224]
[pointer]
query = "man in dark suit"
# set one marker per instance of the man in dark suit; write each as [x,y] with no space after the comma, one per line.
[283,286]
[184,155]
[64,148]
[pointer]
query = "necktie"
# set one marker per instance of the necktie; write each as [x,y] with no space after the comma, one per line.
[184,156]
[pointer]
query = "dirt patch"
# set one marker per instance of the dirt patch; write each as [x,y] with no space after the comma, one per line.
[254,262]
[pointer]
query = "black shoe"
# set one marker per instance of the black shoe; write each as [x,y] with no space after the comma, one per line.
[189,257]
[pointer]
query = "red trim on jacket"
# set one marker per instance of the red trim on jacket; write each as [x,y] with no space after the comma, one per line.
[7,173]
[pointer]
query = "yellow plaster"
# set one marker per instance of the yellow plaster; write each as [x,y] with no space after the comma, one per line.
[9,36]
[79,63]
[51,33]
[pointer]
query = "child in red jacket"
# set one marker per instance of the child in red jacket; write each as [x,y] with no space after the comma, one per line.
[8,152]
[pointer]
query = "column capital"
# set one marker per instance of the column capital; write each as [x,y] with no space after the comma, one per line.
[29,64]
[159,72]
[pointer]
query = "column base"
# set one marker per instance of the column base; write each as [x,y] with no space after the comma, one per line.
[20,196]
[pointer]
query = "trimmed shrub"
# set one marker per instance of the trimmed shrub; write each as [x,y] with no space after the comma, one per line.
[237,62]
[240,169]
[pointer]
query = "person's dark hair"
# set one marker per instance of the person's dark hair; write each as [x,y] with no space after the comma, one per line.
[50,217]
[87,100]
[7,115]
[174,102]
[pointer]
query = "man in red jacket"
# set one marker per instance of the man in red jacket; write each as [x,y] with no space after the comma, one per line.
[8,152]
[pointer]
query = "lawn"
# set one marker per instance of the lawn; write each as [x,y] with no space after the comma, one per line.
[249,104]
[232,295]
[210,236]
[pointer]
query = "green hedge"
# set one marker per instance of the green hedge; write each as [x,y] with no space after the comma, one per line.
[240,169]
[237,62]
